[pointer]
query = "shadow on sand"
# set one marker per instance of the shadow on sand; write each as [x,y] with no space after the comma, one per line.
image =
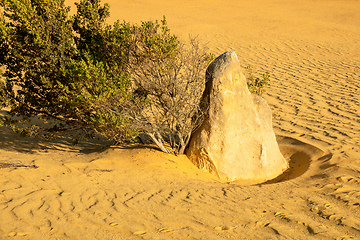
[300,156]
[11,141]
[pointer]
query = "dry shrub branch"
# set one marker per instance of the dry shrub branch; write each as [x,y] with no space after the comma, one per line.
[173,86]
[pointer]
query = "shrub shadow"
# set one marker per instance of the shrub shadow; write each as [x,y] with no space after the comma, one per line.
[11,141]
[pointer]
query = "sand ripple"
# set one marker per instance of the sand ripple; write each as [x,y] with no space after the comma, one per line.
[310,48]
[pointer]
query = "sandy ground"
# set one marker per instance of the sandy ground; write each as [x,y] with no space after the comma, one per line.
[310,48]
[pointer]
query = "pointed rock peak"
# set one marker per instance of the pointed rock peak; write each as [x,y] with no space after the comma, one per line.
[236,141]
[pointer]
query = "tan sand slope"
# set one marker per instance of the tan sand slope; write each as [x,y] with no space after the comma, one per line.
[310,48]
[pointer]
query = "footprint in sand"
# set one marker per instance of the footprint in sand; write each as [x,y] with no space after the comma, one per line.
[139,233]
[345,178]
[165,230]
[282,216]
[223,228]
[15,234]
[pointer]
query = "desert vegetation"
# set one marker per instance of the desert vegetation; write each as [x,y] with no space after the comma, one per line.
[257,85]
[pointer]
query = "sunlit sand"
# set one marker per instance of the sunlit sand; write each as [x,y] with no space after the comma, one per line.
[91,191]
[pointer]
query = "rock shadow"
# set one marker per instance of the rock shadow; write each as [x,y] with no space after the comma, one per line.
[300,156]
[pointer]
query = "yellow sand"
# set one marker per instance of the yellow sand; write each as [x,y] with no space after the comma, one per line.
[311,49]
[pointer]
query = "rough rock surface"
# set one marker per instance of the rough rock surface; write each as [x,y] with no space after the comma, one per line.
[236,141]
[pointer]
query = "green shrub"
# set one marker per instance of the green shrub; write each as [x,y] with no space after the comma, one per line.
[257,85]
[55,68]
[86,76]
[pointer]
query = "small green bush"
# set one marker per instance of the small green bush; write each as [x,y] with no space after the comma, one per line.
[88,77]
[257,85]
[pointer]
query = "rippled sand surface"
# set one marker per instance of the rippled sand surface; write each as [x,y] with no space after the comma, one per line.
[310,48]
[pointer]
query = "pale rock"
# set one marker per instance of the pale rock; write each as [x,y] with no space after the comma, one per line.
[236,141]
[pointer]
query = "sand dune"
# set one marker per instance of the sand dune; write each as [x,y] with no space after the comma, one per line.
[310,48]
